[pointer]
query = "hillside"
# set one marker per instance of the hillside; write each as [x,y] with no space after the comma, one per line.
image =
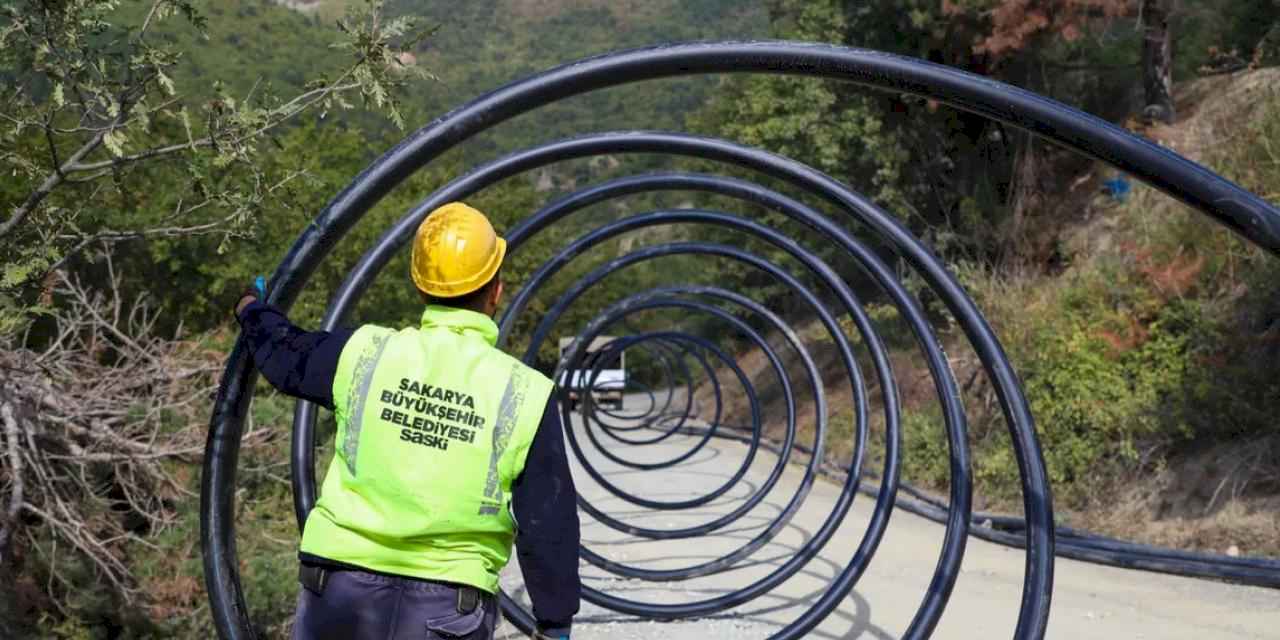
[256,46]
[480,45]
[1167,327]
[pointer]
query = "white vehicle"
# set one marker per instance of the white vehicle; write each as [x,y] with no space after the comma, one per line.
[610,381]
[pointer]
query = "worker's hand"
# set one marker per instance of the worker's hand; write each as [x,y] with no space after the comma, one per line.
[257,292]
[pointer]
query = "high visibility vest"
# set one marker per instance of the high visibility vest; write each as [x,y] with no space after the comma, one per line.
[434,424]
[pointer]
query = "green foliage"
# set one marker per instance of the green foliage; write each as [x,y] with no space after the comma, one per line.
[926,459]
[941,171]
[102,108]
[1094,406]
[1161,343]
[225,207]
[1100,411]
[1246,31]
[832,126]
[484,44]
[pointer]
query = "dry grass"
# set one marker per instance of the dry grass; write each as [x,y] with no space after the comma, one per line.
[1212,111]
[1225,499]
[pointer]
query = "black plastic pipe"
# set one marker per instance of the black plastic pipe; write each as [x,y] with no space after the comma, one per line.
[1239,210]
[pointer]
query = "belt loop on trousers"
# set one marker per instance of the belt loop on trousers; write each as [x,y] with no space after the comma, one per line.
[313,578]
[468,599]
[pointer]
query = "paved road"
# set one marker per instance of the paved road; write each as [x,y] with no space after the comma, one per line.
[1089,601]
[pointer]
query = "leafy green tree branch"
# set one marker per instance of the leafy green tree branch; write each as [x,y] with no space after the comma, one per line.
[96,108]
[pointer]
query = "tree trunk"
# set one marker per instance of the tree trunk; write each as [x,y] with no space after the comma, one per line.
[1025,197]
[1157,61]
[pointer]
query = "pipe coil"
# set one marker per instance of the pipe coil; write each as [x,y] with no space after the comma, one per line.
[684,361]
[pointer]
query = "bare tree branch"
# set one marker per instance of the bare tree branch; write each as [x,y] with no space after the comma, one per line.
[88,428]
[18,487]
[146,23]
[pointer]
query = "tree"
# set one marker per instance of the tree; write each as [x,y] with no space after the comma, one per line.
[94,108]
[1016,24]
[1157,60]
[109,139]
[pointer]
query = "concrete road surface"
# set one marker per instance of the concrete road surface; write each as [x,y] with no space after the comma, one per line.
[1089,601]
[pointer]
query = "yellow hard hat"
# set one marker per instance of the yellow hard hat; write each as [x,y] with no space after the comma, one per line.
[455,252]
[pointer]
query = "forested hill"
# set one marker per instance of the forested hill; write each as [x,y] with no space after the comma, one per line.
[477,46]
[484,44]
[474,47]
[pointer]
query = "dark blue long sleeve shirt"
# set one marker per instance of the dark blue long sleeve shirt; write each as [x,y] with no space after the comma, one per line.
[302,364]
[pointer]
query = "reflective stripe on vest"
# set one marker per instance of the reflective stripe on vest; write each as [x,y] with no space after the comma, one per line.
[434,424]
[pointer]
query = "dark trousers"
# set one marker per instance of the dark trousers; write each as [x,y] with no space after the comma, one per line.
[354,605]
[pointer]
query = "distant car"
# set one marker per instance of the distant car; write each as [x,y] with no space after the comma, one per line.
[610,381]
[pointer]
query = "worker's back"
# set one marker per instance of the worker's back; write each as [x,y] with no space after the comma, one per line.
[434,424]
[435,428]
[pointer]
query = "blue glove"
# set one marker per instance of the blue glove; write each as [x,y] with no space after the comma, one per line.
[258,292]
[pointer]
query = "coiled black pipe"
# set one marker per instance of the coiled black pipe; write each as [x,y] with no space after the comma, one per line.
[698,147]
[1243,212]
[669,352]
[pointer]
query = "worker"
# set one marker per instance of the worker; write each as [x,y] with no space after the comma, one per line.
[447,451]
